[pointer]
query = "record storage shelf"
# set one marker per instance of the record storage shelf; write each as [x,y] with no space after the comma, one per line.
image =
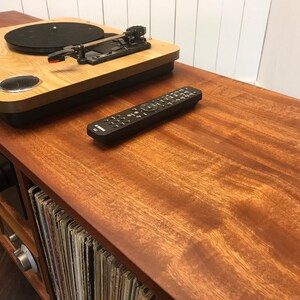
[27,232]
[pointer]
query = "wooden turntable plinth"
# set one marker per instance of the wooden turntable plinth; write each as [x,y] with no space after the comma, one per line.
[64,82]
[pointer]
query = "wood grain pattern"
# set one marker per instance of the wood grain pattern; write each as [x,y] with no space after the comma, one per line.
[69,78]
[204,206]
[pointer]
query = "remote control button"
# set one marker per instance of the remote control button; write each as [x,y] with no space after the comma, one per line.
[149,107]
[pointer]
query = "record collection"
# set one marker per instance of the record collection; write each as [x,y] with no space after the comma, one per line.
[79,267]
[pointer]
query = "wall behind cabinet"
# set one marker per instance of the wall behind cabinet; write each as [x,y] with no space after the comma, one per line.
[222,36]
[280,64]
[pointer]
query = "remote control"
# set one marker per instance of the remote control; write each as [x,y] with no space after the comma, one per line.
[134,119]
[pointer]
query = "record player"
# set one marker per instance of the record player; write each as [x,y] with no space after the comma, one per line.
[92,61]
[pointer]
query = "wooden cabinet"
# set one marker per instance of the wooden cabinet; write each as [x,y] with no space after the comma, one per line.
[203,205]
[25,230]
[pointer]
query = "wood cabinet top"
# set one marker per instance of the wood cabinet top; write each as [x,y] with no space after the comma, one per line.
[204,205]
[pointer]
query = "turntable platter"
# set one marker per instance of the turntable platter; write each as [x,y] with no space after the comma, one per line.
[53,36]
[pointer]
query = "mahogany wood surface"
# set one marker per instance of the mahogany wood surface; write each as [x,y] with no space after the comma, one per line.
[205,205]
[10,18]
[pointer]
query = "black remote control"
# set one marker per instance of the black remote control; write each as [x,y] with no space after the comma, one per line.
[129,121]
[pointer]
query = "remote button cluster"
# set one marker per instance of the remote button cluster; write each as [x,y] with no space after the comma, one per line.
[144,114]
[116,121]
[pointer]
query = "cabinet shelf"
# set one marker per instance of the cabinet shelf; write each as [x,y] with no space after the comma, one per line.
[18,225]
[32,277]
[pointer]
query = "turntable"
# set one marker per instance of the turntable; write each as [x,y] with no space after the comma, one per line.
[92,61]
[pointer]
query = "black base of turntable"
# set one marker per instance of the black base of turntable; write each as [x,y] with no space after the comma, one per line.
[55,108]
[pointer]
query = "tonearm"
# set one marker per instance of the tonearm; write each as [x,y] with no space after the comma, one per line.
[132,38]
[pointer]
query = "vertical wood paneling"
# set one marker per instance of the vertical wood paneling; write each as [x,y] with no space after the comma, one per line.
[251,40]
[6,5]
[185,29]
[230,27]
[36,8]
[139,13]
[163,20]
[91,10]
[60,9]
[207,35]
[115,14]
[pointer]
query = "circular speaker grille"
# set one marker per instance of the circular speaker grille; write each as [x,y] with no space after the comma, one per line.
[19,83]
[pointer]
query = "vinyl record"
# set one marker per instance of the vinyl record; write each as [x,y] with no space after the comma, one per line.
[45,38]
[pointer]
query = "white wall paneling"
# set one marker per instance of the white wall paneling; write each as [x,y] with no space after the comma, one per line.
[280,63]
[65,8]
[116,13]
[163,20]
[208,32]
[139,13]
[11,5]
[230,27]
[185,29]
[37,8]
[91,10]
[253,29]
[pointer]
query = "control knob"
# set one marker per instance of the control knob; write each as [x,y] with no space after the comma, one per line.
[25,259]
